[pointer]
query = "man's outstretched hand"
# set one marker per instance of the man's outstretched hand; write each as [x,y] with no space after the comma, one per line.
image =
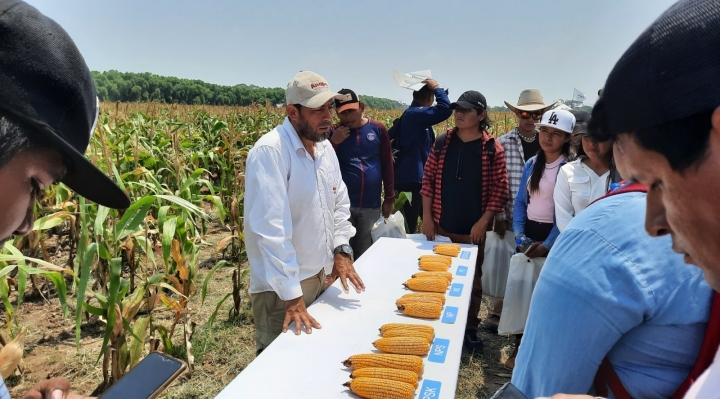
[344,270]
[296,311]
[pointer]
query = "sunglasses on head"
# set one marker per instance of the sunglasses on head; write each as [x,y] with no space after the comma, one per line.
[530,114]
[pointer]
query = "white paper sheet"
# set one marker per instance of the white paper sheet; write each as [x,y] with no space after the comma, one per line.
[411,80]
[309,366]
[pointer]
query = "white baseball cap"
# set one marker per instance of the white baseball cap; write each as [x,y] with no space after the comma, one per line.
[309,90]
[559,119]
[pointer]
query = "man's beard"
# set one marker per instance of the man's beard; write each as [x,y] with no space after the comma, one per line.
[307,132]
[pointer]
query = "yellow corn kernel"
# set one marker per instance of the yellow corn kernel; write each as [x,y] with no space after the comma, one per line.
[447,249]
[385,328]
[446,275]
[425,295]
[406,376]
[403,345]
[436,258]
[425,310]
[400,362]
[428,284]
[433,266]
[409,333]
[379,388]
[404,301]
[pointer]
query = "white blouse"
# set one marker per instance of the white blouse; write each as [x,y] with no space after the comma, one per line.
[576,187]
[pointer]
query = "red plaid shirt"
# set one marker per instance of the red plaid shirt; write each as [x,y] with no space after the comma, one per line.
[495,189]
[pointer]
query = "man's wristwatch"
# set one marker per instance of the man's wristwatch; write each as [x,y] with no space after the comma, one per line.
[343,249]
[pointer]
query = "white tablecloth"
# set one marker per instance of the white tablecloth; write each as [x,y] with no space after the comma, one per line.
[309,365]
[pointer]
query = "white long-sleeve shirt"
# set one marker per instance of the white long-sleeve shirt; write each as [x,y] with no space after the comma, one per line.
[297,211]
[576,187]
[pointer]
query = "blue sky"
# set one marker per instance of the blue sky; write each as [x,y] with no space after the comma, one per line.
[495,47]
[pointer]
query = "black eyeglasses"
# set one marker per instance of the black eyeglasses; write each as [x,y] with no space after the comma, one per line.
[528,114]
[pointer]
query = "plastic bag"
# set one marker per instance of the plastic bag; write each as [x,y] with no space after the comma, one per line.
[393,227]
[522,276]
[495,267]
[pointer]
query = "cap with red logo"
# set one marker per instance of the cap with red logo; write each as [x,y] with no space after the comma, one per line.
[309,90]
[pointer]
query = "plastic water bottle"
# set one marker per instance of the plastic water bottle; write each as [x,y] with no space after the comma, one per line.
[523,243]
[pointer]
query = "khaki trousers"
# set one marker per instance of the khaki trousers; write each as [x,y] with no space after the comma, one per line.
[269,309]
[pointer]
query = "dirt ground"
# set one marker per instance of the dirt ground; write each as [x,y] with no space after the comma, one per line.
[221,351]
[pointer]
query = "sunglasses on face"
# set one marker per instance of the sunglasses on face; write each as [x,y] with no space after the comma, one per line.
[527,115]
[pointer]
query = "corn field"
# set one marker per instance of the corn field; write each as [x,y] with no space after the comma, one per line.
[183,168]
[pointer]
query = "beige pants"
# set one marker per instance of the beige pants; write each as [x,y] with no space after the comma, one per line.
[269,309]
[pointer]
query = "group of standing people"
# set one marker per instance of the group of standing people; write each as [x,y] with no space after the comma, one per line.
[615,311]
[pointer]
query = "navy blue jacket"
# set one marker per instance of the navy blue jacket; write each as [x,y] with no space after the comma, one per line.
[416,137]
[366,164]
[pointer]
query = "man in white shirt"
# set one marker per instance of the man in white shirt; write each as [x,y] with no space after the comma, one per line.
[297,210]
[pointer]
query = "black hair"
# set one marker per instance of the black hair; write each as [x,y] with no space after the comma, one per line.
[422,94]
[539,168]
[14,139]
[684,142]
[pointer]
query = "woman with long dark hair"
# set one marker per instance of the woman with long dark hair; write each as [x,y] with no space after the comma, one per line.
[534,213]
[585,179]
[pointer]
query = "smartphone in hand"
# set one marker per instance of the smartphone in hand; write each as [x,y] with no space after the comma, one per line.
[508,391]
[147,379]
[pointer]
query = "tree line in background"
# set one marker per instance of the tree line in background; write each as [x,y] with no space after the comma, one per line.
[143,87]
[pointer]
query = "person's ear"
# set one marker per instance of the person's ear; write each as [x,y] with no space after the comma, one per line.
[567,137]
[362,107]
[292,112]
[715,120]
[482,115]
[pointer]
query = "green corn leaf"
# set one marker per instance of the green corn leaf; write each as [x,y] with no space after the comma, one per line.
[88,258]
[208,277]
[211,320]
[59,282]
[115,272]
[133,217]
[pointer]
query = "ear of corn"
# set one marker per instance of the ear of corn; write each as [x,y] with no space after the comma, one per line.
[447,249]
[403,345]
[428,284]
[436,258]
[437,295]
[404,301]
[378,388]
[409,333]
[400,362]
[386,328]
[425,310]
[433,265]
[446,275]
[11,355]
[406,376]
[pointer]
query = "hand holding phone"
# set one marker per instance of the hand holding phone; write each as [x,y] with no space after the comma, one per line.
[147,379]
[509,391]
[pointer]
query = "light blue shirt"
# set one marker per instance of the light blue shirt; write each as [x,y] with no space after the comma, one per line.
[607,288]
[4,393]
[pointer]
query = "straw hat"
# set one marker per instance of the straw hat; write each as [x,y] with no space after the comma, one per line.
[530,100]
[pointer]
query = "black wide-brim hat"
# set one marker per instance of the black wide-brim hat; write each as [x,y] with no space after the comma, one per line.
[46,86]
[672,71]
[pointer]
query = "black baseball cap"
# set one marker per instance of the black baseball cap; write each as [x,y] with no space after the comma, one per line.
[347,99]
[46,86]
[470,99]
[672,71]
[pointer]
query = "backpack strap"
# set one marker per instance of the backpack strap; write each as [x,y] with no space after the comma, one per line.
[439,144]
[489,146]
[624,187]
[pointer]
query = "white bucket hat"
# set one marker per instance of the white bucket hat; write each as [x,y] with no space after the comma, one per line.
[309,90]
[530,100]
[559,119]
